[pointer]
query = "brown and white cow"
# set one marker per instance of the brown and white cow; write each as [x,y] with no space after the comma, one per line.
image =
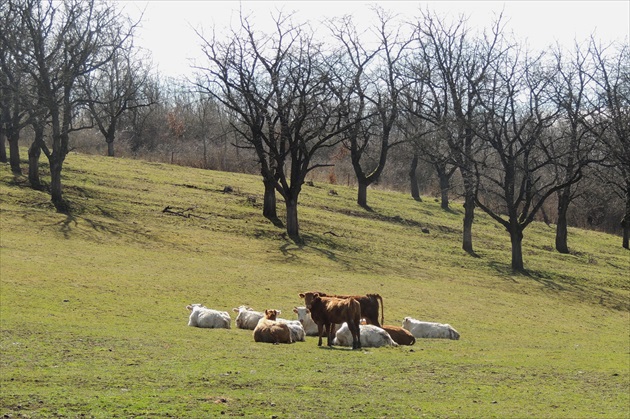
[327,311]
[400,335]
[268,330]
[368,302]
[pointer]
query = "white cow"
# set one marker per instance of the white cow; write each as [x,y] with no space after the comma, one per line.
[371,336]
[297,330]
[247,318]
[201,316]
[304,317]
[421,329]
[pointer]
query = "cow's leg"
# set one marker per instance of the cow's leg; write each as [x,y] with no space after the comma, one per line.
[330,329]
[356,335]
[320,329]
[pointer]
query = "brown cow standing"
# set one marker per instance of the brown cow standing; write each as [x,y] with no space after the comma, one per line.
[369,304]
[326,311]
[399,335]
[269,330]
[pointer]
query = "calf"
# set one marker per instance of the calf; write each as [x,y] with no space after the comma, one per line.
[201,316]
[304,317]
[400,335]
[325,311]
[369,304]
[247,318]
[269,330]
[429,329]
[371,336]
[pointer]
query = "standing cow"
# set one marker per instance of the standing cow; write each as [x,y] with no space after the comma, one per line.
[369,304]
[326,311]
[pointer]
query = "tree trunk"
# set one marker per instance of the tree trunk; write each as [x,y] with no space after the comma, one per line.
[516,236]
[110,148]
[3,146]
[413,178]
[469,216]
[14,152]
[34,152]
[445,185]
[55,184]
[469,212]
[625,222]
[561,225]
[293,229]
[362,194]
[269,200]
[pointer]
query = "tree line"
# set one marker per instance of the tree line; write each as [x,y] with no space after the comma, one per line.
[510,129]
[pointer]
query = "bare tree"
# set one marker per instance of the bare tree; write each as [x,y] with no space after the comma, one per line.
[276,86]
[577,130]
[64,42]
[612,75]
[516,114]
[114,89]
[458,65]
[369,83]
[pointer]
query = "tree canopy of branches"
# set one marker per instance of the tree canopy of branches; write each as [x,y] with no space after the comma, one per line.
[63,43]
[277,90]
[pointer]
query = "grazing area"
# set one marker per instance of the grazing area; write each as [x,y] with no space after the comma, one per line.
[93,316]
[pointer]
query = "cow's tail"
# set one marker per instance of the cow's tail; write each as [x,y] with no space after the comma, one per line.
[382,309]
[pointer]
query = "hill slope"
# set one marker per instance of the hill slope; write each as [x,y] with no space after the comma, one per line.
[93,318]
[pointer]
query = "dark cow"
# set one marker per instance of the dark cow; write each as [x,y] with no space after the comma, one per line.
[369,304]
[399,335]
[326,311]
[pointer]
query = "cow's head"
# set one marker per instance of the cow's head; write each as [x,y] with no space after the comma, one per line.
[191,307]
[301,312]
[271,314]
[242,308]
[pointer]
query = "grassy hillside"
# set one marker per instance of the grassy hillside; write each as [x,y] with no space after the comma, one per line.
[93,319]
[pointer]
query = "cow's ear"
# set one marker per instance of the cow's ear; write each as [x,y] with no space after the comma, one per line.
[278,311]
[301,295]
[308,311]
[295,310]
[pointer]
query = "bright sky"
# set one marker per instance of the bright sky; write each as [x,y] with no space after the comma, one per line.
[167,26]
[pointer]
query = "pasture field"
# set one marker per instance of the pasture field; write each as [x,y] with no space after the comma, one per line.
[93,320]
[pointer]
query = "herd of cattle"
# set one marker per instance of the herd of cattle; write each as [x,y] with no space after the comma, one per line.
[347,321]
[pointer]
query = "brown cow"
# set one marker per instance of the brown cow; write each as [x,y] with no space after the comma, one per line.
[369,304]
[399,335]
[326,311]
[268,330]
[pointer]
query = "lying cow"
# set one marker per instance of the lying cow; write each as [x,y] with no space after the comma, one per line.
[247,318]
[371,336]
[326,311]
[369,304]
[429,329]
[400,335]
[304,317]
[201,316]
[268,330]
[297,330]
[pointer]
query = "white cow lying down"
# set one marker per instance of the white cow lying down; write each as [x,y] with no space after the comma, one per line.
[247,318]
[371,336]
[297,330]
[429,329]
[201,316]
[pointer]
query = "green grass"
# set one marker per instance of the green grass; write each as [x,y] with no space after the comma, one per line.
[93,318]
